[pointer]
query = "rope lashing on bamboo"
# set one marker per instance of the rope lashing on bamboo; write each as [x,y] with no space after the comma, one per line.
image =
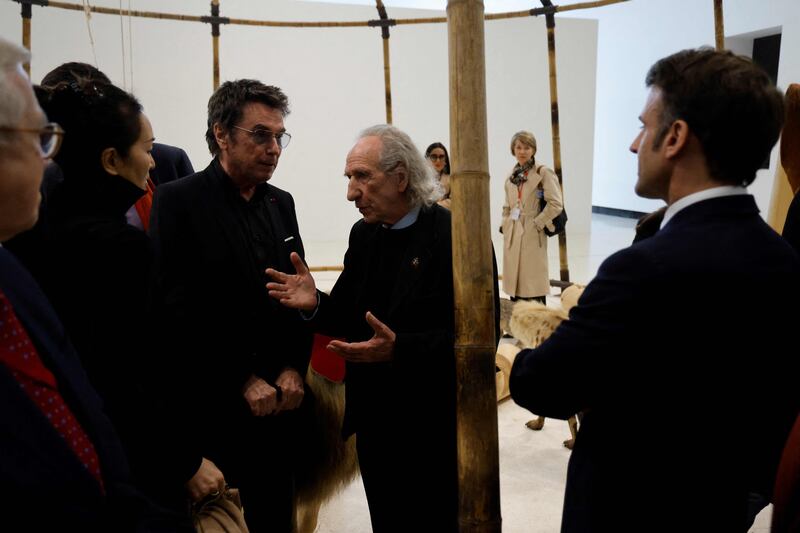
[285,24]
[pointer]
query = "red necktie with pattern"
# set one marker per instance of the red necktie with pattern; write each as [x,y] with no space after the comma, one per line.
[19,355]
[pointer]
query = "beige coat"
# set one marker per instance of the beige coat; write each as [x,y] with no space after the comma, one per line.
[525,272]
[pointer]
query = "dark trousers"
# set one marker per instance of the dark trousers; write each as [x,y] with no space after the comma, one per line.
[256,456]
[410,478]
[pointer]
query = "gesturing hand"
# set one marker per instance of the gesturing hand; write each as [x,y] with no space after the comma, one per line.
[379,348]
[297,291]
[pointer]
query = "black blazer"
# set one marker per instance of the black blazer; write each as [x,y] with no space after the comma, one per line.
[171,163]
[686,407]
[44,486]
[420,313]
[220,325]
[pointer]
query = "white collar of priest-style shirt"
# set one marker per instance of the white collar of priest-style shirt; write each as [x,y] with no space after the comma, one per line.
[714,192]
[406,221]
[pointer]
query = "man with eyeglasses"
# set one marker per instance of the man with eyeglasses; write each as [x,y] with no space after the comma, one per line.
[238,357]
[62,465]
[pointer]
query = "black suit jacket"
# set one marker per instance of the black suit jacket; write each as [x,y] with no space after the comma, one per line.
[43,485]
[686,406]
[171,163]
[420,313]
[220,324]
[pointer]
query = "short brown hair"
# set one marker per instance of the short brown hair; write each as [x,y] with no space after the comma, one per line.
[729,103]
[524,137]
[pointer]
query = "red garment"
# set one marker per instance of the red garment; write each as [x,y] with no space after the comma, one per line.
[19,355]
[144,204]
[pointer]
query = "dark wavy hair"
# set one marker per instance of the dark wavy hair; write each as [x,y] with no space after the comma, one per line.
[432,147]
[73,71]
[227,103]
[729,103]
[95,116]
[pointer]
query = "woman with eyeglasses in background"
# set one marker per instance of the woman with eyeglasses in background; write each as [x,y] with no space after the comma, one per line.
[98,278]
[440,161]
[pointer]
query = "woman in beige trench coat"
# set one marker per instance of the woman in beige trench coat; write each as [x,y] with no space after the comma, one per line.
[525,272]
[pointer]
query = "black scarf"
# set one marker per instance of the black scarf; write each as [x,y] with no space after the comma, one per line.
[520,172]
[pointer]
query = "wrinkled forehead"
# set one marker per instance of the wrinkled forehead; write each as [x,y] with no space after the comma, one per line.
[365,153]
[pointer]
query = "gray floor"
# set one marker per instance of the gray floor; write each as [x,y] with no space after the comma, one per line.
[532,464]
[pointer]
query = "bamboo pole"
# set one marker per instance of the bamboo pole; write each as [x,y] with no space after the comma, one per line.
[27,13]
[387,68]
[475,345]
[215,43]
[556,130]
[719,25]
[287,24]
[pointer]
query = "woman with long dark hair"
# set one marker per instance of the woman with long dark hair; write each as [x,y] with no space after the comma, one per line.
[98,274]
[440,161]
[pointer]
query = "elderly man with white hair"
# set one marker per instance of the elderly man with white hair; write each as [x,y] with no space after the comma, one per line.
[393,305]
[62,465]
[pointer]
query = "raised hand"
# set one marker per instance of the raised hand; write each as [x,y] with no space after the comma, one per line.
[379,348]
[297,291]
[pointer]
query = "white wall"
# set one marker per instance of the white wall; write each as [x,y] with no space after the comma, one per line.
[334,80]
[632,36]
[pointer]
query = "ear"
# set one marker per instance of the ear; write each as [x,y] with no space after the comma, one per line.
[220,135]
[676,139]
[402,179]
[111,160]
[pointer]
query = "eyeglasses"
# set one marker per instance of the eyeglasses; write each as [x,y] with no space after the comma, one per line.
[50,137]
[263,136]
[435,157]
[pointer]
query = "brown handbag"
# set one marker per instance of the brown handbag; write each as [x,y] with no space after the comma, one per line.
[220,514]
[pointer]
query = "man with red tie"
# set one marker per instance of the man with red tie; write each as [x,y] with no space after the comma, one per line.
[61,464]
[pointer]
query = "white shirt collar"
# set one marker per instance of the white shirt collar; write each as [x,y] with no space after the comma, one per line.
[406,221]
[707,194]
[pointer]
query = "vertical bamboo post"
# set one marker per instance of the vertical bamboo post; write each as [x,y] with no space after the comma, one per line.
[478,460]
[27,14]
[719,25]
[551,57]
[215,41]
[387,69]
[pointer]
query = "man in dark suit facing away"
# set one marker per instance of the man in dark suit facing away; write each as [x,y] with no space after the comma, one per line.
[61,464]
[237,358]
[687,406]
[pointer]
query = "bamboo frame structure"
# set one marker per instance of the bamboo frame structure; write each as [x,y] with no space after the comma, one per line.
[719,25]
[27,13]
[475,345]
[215,43]
[556,129]
[387,68]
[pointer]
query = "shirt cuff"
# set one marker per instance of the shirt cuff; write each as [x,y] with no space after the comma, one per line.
[310,316]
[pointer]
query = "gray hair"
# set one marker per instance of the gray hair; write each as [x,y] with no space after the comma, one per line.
[398,151]
[12,102]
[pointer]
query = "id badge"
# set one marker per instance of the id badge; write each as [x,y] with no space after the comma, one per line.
[515,213]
